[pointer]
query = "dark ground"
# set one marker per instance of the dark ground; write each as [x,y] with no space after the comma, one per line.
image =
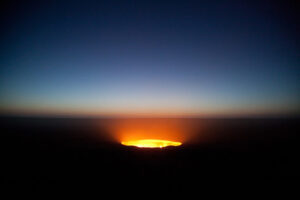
[65,154]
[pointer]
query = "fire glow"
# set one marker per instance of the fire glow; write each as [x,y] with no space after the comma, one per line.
[151,143]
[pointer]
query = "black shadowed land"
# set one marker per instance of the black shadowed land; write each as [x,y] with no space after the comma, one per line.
[61,154]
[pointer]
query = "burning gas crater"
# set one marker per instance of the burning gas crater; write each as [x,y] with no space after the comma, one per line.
[151,132]
[151,143]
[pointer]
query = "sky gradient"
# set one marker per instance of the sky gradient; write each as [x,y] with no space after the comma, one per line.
[183,58]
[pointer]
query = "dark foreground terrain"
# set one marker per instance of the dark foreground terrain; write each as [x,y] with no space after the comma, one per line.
[69,154]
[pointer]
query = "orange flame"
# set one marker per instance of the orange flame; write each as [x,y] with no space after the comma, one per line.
[150,143]
[144,130]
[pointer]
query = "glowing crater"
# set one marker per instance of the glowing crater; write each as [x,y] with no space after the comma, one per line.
[151,143]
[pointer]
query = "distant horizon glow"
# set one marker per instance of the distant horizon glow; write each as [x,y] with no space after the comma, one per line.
[75,112]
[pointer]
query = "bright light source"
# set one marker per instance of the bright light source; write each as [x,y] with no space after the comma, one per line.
[151,143]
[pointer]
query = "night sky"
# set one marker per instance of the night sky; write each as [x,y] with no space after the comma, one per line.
[183,58]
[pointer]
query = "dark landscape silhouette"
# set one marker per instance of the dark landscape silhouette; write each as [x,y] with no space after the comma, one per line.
[61,154]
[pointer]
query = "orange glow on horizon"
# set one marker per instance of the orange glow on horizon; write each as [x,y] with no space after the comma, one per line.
[151,143]
[151,130]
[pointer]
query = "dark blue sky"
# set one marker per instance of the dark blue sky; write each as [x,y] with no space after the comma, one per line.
[150,57]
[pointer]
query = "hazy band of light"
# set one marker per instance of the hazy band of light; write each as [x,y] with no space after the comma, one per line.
[39,110]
